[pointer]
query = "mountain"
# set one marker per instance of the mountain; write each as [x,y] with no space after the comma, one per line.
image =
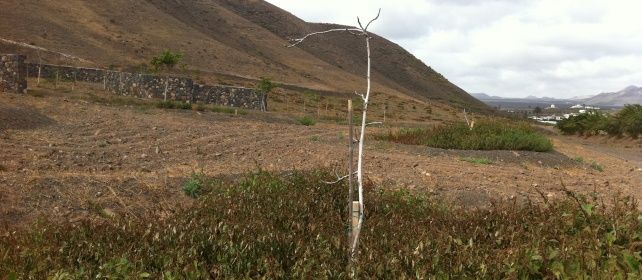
[483,96]
[224,41]
[629,95]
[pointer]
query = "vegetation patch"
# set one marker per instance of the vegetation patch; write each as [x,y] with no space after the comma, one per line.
[194,186]
[169,104]
[293,226]
[307,121]
[597,166]
[486,135]
[627,122]
[477,160]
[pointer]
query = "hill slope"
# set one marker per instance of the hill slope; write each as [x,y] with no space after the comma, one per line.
[223,41]
[629,95]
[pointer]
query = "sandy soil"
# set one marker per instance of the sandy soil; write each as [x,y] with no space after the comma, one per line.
[69,159]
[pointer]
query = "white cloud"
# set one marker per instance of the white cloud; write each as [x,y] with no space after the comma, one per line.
[559,48]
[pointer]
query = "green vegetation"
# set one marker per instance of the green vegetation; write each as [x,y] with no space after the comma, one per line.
[597,166]
[266,85]
[477,160]
[293,226]
[307,121]
[627,122]
[486,135]
[169,104]
[194,186]
[166,60]
[593,164]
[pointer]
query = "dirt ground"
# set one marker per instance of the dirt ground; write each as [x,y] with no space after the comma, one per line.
[69,158]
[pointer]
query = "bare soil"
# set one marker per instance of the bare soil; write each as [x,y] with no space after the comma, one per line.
[67,157]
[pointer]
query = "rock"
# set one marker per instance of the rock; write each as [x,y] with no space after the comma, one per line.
[157,150]
[143,156]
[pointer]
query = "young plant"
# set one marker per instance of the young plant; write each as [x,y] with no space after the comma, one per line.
[361,31]
[166,60]
[266,86]
[194,186]
[307,121]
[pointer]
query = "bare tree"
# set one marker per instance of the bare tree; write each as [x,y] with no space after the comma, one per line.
[361,31]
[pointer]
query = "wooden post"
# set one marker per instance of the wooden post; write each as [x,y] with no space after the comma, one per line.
[39,68]
[384,113]
[56,83]
[73,86]
[354,223]
[351,203]
[104,80]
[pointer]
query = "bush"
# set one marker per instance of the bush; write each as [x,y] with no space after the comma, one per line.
[307,121]
[194,186]
[486,135]
[627,121]
[584,124]
[293,226]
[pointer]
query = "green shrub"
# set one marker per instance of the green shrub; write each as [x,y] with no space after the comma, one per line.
[486,135]
[194,186]
[293,226]
[627,121]
[307,121]
[597,166]
[584,124]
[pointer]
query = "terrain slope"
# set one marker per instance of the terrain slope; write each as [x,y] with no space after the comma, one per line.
[224,41]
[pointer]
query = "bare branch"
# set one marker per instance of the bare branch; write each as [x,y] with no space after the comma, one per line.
[376,18]
[339,179]
[300,40]
[373,123]
[360,95]
[360,25]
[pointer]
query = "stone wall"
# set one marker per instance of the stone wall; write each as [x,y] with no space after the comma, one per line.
[13,73]
[153,86]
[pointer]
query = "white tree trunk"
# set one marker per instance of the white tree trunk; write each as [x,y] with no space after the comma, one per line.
[362,31]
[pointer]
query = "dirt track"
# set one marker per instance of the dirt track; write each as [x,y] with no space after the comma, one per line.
[70,159]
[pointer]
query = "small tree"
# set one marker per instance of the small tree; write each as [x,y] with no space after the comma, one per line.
[361,31]
[166,61]
[538,110]
[266,86]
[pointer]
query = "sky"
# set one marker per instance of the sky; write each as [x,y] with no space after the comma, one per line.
[509,48]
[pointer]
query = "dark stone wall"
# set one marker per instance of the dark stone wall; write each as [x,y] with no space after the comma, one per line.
[228,96]
[13,73]
[153,86]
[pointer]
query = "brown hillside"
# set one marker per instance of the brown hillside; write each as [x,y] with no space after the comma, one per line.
[224,41]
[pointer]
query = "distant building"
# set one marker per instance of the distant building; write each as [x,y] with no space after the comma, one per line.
[552,106]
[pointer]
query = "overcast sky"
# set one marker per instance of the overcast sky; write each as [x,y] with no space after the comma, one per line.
[556,48]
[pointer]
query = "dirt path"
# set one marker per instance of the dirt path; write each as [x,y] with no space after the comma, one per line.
[75,159]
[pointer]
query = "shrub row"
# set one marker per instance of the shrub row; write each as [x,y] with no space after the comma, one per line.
[486,135]
[627,122]
[292,226]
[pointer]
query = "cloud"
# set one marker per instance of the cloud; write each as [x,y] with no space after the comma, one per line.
[507,47]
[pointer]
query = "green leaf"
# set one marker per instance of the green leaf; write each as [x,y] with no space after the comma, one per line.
[588,209]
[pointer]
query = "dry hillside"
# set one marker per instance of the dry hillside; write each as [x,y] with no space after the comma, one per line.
[224,41]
